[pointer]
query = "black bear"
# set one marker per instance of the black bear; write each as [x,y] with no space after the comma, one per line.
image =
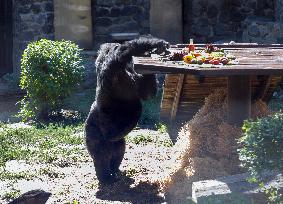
[117,106]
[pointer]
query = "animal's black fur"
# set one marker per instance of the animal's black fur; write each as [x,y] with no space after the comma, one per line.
[117,107]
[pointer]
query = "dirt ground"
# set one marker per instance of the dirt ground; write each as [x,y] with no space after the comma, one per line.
[142,166]
[151,173]
[70,181]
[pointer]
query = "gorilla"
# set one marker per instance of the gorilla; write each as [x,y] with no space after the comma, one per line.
[117,106]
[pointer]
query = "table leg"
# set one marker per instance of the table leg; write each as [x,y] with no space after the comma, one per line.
[239,99]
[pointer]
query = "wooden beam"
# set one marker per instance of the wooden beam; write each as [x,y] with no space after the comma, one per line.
[264,87]
[239,99]
[177,98]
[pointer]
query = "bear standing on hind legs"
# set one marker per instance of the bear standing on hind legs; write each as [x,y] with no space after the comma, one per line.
[117,106]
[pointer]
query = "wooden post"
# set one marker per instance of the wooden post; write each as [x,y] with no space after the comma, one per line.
[239,99]
[176,101]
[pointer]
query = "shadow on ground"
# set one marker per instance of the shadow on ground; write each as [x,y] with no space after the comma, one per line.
[125,191]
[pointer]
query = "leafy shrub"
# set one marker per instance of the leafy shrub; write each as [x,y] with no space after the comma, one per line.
[50,70]
[151,110]
[262,145]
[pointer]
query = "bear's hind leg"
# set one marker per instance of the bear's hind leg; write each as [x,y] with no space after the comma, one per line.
[118,151]
[101,152]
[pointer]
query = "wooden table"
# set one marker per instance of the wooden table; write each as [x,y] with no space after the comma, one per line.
[253,59]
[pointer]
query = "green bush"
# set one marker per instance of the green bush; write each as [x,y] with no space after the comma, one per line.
[50,70]
[262,147]
[151,110]
[262,144]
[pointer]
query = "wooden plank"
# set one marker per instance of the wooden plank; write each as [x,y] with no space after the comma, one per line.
[241,69]
[244,59]
[239,99]
[237,45]
[264,87]
[177,98]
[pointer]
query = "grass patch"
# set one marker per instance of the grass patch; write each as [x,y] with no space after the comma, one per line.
[14,193]
[49,172]
[144,139]
[131,172]
[162,128]
[141,139]
[15,176]
[44,143]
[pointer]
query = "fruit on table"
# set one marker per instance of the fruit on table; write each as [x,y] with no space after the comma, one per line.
[210,55]
[206,61]
[230,56]
[214,61]
[209,48]
[197,54]
[217,54]
[200,59]
[188,58]
[224,60]
[177,56]
[194,61]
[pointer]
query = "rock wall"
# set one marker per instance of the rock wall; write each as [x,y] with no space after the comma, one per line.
[33,20]
[220,20]
[112,16]
[204,20]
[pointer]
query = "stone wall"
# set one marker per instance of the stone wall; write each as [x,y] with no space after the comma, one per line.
[33,20]
[214,20]
[111,16]
[203,20]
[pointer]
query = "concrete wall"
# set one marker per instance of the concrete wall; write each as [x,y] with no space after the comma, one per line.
[166,20]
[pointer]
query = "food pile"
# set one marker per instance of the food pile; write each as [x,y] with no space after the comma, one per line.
[210,55]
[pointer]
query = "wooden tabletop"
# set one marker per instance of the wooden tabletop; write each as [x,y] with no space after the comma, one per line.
[253,59]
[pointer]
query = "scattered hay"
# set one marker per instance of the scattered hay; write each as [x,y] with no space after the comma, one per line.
[206,147]
[260,109]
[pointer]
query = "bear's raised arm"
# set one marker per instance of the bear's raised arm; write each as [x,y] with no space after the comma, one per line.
[138,47]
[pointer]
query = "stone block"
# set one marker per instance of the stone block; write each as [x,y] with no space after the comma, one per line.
[234,189]
[124,36]
[48,6]
[104,2]
[115,12]
[101,21]
[212,11]
[262,30]
[102,11]
[130,10]
[123,2]
[36,8]
[100,30]
[49,29]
